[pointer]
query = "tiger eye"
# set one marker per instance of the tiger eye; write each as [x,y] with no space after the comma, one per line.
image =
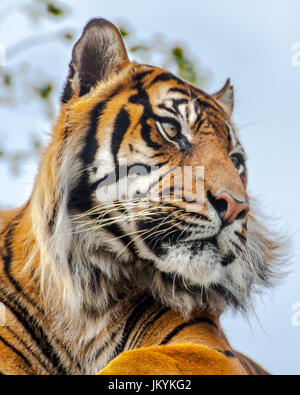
[170,129]
[237,160]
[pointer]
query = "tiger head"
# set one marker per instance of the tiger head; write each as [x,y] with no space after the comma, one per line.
[149,185]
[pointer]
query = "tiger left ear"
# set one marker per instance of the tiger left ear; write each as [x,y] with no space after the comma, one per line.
[225,97]
[99,53]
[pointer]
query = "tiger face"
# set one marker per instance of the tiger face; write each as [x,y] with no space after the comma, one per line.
[156,181]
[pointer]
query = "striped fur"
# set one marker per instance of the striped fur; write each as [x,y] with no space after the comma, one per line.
[79,275]
[165,343]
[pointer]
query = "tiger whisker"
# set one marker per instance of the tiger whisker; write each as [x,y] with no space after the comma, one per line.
[114,205]
[147,231]
[96,227]
[169,229]
[113,220]
[110,221]
[112,208]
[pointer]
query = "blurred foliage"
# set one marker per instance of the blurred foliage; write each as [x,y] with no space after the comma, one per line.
[25,83]
[175,57]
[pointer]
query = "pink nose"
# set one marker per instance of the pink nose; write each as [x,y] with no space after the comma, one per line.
[232,208]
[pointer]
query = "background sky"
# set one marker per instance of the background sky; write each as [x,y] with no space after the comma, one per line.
[250,41]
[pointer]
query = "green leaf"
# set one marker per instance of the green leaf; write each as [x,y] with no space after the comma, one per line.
[125,33]
[7,79]
[54,10]
[69,36]
[178,53]
[44,91]
[186,68]
[138,48]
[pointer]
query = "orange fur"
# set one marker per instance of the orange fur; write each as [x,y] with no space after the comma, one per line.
[79,284]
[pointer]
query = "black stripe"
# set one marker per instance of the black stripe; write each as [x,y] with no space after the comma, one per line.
[188,225]
[28,349]
[132,343]
[68,91]
[12,348]
[195,215]
[179,90]
[207,133]
[177,103]
[132,320]
[154,240]
[7,258]
[140,76]
[22,314]
[116,230]
[204,104]
[227,353]
[228,259]
[170,110]
[52,220]
[121,125]
[229,139]
[179,328]
[7,255]
[237,247]
[80,197]
[226,295]
[142,98]
[165,77]
[241,237]
[199,122]
[106,344]
[90,147]
[135,341]
[211,103]
[35,331]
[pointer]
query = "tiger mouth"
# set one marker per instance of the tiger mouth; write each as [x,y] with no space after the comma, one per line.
[227,259]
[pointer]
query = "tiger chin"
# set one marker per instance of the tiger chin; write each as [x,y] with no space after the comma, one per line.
[109,220]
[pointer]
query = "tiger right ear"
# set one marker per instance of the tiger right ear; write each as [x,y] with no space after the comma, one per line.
[98,53]
[225,97]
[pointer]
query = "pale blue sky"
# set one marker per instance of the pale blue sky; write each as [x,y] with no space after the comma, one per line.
[250,41]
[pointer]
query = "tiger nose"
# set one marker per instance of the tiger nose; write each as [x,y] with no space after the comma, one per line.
[232,208]
[229,209]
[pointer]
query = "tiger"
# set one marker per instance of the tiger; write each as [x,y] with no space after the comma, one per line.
[120,262]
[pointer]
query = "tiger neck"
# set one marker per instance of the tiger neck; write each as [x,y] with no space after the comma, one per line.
[139,321]
[84,340]
[159,325]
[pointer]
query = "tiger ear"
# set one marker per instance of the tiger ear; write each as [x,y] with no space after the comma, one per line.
[98,53]
[225,97]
